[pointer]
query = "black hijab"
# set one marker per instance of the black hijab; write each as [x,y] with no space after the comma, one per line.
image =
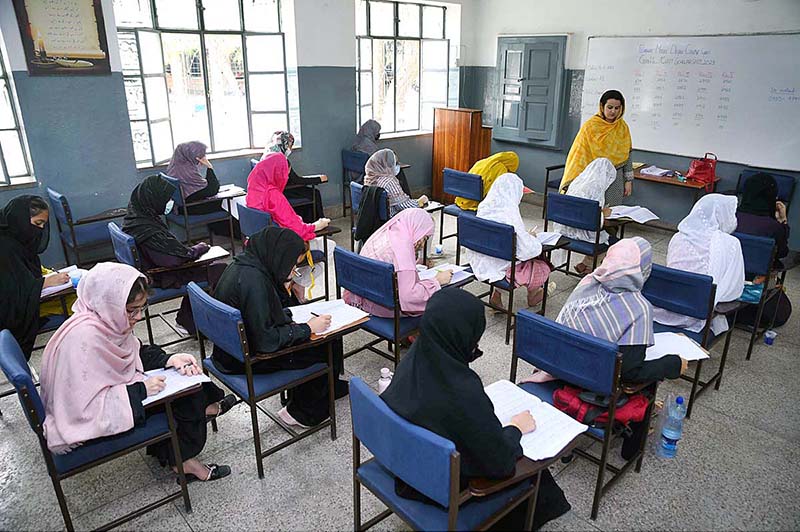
[21,278]
[434,387]
[143,220]
[759,195]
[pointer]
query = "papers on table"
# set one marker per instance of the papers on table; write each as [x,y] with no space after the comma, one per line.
[234,205]
[175,383]
[459,272]
[50,290]
[548,238]
[637,214]
[215,252]
[432,206]
[655,170]
[554,429]
[342,314]
[668,343]
[229,191]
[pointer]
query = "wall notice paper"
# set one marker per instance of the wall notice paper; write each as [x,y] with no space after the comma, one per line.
[554,429]
[67,28]
[175,383]
[215,252]
[548,238]
[50,290]
[342,314]
[668,343]
[229,191]
[637,214]
[459,272]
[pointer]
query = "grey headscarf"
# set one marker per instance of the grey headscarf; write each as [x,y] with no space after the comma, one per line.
[367,137]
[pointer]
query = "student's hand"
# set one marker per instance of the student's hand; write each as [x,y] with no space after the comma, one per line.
[323,178]
[684,365]
[628,189]
[320,323]
[205,162]
[423,200]
[56,279]
[444,277]
[606,212]
[780,212]
[155,384]
[184,363]
[524,422]
[321,224]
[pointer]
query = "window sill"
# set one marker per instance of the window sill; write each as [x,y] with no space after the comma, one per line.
[21,183]
[219,156]
[404,134]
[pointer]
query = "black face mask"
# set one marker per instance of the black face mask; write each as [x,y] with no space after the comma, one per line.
[476,354]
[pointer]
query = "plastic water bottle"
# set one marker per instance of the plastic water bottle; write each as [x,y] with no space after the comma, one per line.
[385,380]
[672,429]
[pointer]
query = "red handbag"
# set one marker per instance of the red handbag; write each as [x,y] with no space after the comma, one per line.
[704,171]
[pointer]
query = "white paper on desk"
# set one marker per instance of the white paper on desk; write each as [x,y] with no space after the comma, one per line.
[655,170]
[459,272]
[341,314]
[668,343]
[229,190]
[554,429]
[50,290]
[548,238]
[175,383]
[234,205]
[638,214]
[432,205]
[215,252]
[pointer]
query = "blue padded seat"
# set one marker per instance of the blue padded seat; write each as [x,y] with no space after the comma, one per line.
[51,323]
[262,383]
[165,294]
[544,391]
[197,219]
[155,425]
[384,327]
[585,248]
[86,235]
[455,210]
[433,517]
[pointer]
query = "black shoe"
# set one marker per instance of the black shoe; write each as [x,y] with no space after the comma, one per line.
[341,388]
[216,472]
[227,402]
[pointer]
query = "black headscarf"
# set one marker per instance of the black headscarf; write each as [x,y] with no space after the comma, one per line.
[21,278]
[434,387]
[143,220]
[759,195]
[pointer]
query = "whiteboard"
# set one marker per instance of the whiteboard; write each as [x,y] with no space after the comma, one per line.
[737,96]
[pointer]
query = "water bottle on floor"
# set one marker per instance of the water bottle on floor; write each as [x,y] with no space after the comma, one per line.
[385,380]
[672,429]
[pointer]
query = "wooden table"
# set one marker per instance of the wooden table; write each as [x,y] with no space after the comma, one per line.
[690,184]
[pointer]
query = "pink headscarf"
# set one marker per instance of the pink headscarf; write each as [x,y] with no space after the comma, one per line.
[265,186]
[90,360]
[402,231]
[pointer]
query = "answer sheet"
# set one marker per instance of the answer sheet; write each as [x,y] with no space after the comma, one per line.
[637,214]
[668,343]
[175,383]
[215,252]
[342,314]
[459,272]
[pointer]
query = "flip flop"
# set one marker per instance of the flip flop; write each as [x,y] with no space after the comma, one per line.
[215,472]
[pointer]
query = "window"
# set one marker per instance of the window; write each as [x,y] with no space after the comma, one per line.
[406,58]
[14,166]
[192,72]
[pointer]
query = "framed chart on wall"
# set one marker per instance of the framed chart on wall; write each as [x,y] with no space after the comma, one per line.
[63,37]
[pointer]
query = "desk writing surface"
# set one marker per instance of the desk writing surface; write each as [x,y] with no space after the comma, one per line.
[689,183]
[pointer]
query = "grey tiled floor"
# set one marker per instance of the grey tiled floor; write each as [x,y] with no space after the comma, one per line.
[738,466]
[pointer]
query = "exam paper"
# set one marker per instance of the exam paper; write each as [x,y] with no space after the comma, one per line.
[637,214]
[342,314]
[174,384]
[668,343]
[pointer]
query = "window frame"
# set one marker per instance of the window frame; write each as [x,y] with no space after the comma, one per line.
[201,32]
[368,36]
[6,179]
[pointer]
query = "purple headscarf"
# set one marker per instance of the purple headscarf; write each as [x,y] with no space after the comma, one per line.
[183,166]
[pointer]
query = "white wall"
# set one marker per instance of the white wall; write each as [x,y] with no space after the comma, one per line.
[584,18]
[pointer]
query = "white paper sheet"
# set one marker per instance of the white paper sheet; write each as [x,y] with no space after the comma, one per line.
[215,252]
[50,290]
[668,343]
[341,314]
[234,208]
[459,273]
[175,383]
[554,429]
[228,191]
[654,170]
[637,214]
[548,238]
[432,206]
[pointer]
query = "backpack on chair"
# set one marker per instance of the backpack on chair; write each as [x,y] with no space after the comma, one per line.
[568,400]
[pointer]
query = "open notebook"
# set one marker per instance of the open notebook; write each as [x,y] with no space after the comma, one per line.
[637,214]
[50,290]
[342,314]
[459,272]
[554,429]
[175,383]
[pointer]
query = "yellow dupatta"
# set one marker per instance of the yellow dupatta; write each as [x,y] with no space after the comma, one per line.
[490,169]
[597,138]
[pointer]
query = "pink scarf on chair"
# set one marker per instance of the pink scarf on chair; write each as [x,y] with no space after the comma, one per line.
[90,360]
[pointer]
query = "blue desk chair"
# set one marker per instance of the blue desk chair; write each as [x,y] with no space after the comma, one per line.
[158,427]
[352,161]
[252,220]
[355,200]
[496,240]
[689,294]
[552,184]
[81,235]
[579,213]
[589,363]
[187,221]
[376,281]
[785,182]
[759,258]
[223,325]
[127,253]
[427,462]
[297,202]
[462,184]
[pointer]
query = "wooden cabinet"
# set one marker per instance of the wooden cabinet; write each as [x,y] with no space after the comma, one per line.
[459,140]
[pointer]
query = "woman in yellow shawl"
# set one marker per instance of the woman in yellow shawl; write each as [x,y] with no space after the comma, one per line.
[604,135]
[490,169]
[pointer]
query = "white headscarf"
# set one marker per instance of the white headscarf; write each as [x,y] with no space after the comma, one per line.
[501,205]
[591,184]
[704,245]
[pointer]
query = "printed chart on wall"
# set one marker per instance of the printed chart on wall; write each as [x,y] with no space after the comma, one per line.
[735,95]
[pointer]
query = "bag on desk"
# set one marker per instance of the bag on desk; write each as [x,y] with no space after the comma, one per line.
[704,170]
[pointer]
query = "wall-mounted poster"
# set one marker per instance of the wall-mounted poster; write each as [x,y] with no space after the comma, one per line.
[63,37]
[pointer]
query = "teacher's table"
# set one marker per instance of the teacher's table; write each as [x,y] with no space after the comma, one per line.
[690,184]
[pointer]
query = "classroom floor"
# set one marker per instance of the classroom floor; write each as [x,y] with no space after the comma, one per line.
[737,468]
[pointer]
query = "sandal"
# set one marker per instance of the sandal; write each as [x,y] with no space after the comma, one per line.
[581,268]
[215,472]
[227,402]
